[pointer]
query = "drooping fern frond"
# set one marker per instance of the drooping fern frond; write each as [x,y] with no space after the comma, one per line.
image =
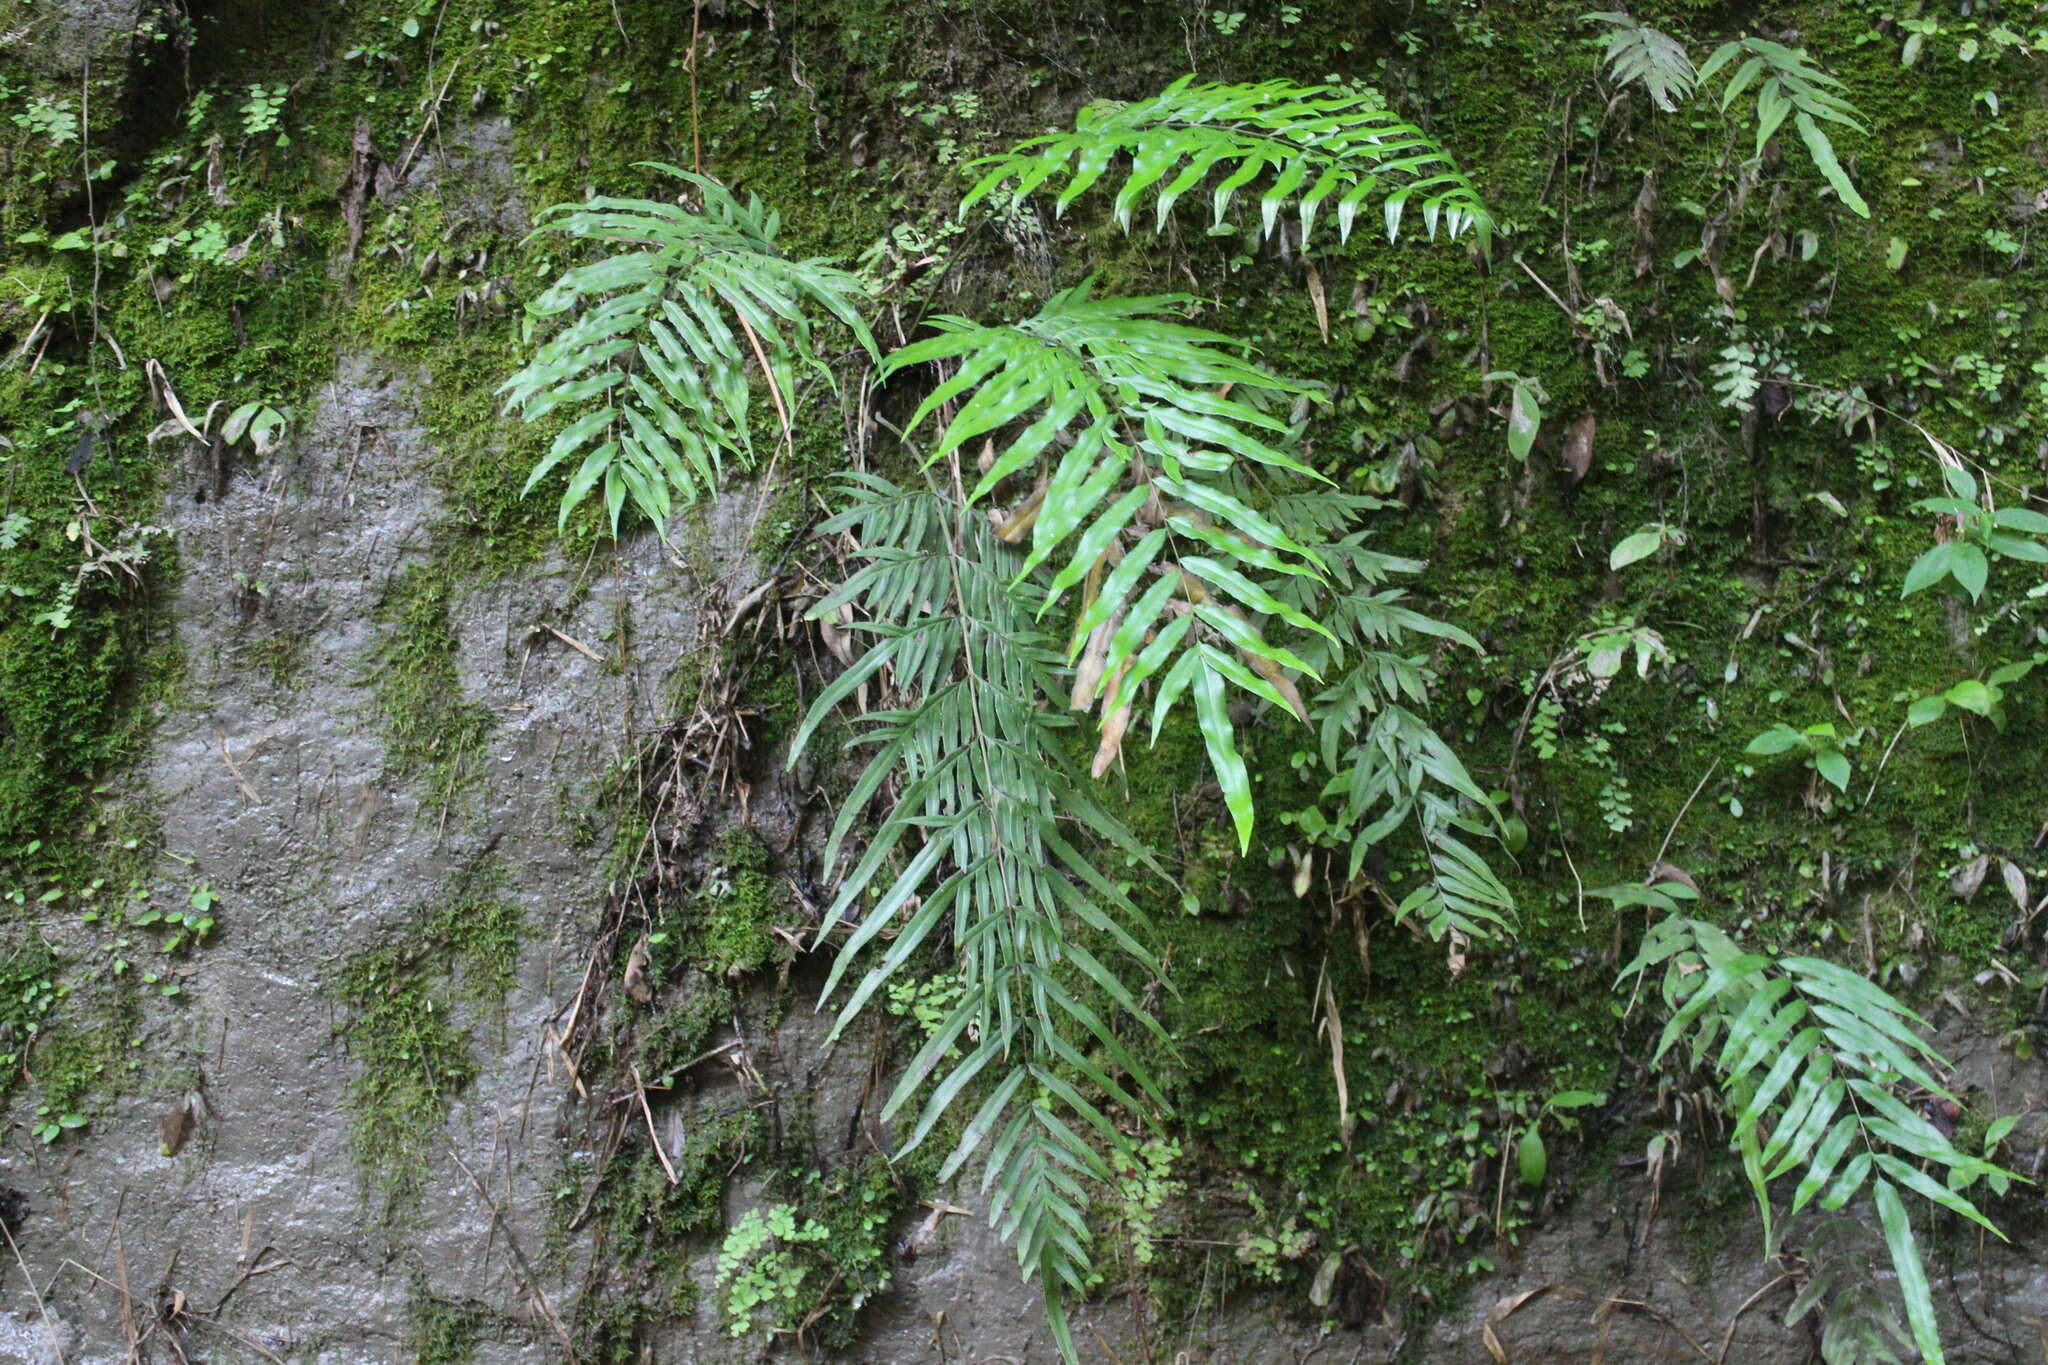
[1640,55]
[653,365]
[1810,1057]
[1859,1325]
[1312,145]
[991,846]
[1137,430]
[1793,87]
[1389,769]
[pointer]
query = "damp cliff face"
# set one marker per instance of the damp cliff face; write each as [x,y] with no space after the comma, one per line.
[409,907]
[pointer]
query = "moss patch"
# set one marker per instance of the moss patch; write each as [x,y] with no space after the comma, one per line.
[412,1006]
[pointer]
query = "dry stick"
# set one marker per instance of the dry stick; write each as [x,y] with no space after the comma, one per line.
[647,1112]
[1896,736]
[233,771]
[585,650]
[525,1267]
[56,1347]
[1728,1338]
[1671,833]
[127,1299]
[781,415]
[696,128]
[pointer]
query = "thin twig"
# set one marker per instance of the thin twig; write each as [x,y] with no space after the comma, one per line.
[1728,1338]
[1669,834]
[56,1346]
[525,1267]
[647,1112]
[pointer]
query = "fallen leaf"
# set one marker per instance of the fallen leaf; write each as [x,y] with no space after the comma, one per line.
[1318,299]
[637,961]
[1578,447]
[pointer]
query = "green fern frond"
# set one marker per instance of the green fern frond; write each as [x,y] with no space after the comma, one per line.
[1859,1325]
[992,844]
[1790,86]
[1137,429]
[1637,54]
[1808,1055]
[652,367]
[1312,145]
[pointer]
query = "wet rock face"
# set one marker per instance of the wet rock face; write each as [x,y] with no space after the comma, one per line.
[59,37]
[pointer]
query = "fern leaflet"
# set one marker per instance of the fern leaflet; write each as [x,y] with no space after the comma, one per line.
[1321,144]
[1791,87]
[650,366]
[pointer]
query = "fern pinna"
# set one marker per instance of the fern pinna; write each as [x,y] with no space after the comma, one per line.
[1809,1055]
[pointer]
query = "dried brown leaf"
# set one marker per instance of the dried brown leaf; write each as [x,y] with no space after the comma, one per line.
[1578,447]
[1318,299]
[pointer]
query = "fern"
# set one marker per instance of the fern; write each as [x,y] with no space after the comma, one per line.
[1790,87]
[1320,144]
[1860,1327]
[1640,55]
[649,366]
[1389,769]
[1123,417]
[1808,1056]
[992,844]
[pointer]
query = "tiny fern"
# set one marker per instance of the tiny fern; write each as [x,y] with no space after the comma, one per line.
[1809,1055]
[1320,144]
[650,368]
[1638,54]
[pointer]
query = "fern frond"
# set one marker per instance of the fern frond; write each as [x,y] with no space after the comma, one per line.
[1809,1054]
[1319,144]
[1637,54]
[1860,1326]
[1139,428]
[1790,86]
[652,366]
[992,844]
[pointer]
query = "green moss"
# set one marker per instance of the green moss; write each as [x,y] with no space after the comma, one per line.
[432,731]
[444,1333]
[411,1008]
[729,919]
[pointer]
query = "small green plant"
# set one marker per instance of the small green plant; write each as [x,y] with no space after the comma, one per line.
[1984,698]
[50,1124]
[263,112]
[54,120]
[1532,1158]
[763,1281]
[1144,1182]
[1824,749]
[1525,409]
[1644,543]
[1980,532]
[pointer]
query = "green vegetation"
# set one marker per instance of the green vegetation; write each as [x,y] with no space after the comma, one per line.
[412,1006]
[1739,341]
